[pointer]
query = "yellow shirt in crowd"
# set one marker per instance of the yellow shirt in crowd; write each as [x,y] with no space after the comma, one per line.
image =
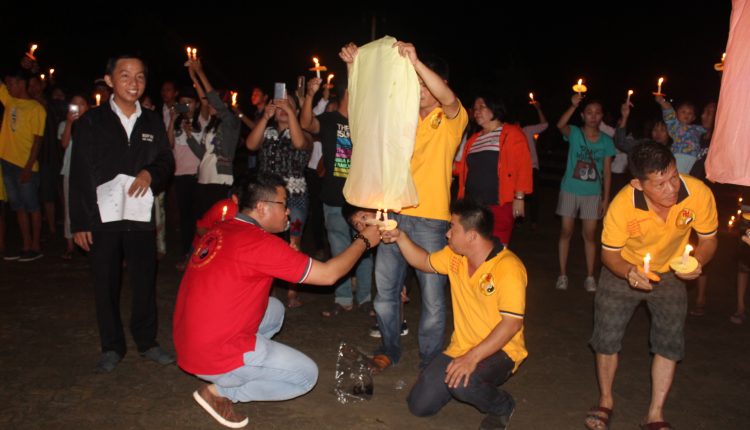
[634,230]
[496,290]
[22,120]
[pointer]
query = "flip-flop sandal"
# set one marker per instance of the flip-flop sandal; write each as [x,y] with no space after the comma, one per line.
[657,425]
[600,422]
[336,310]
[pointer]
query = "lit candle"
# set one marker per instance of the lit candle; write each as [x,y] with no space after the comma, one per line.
[42,76]
[646,261]
[30,54]
[630,93]
[723,57]
[739,200]
[188,53]
[234,100]
[51,71]
[195,54]
[223,212]
[730,224]
[739,211]
[531,98]
[98,99]
[658,86]
[330,77]
[732,218]
[686,254]
[317,67]
[579,87]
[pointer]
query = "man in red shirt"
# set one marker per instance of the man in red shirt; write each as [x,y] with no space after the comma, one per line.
[224,318]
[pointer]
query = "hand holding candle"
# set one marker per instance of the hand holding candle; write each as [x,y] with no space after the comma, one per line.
[685,264]
[630,93]
[30,54]
[318,68]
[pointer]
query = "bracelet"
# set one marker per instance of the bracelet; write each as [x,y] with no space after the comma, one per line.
[364,239]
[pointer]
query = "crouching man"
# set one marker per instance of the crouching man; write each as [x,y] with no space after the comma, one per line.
[224,319]
[488,289]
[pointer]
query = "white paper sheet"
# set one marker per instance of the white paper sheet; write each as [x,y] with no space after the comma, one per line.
[115,204]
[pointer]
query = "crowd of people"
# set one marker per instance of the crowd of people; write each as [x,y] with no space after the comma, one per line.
[241,226]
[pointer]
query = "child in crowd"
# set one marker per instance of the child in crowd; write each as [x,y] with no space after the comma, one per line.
[686,136]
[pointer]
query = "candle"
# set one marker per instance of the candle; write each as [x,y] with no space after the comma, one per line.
[646,261]
[317,67]
[630,93]
[658,86]
[686,254]
[98,99]
[579,87]
[42,76]
[223,212]
[195,54]
[739,200]
[731,222]
[234,100]
[33,48]
[739,211]
[51,71]
[188,53]
[531,98]
[330,76]
[723,57]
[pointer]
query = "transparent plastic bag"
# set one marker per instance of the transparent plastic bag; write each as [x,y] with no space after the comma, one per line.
[353,378]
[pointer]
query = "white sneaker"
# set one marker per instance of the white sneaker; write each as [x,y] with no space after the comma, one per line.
[590,284]
[562,282]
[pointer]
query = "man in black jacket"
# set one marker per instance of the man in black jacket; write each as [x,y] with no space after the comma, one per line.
[120,138]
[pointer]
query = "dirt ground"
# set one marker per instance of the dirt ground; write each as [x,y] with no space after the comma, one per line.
[50,346]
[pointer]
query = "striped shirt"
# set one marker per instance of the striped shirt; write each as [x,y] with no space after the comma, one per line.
[487,142]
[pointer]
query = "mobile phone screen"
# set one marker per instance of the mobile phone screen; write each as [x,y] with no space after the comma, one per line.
[279,90]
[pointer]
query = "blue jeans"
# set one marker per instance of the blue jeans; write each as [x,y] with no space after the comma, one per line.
[431,393]
[21,196]
[273,371]
[390,272]
[340,237]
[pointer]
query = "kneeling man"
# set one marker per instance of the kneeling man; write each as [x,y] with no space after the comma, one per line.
[488,290]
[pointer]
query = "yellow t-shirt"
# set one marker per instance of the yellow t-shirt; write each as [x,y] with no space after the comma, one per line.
[22,120]
[438,138]
[496,290]
[634,230]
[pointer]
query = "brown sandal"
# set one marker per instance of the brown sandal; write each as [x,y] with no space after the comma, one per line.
[598,421]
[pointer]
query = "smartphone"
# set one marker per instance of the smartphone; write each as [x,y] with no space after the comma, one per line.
[279,91]
[73,108]
[181,108]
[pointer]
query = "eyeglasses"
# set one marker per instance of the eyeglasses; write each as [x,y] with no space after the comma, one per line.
[278,203]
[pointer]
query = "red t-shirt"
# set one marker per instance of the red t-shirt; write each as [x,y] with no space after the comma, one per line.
[224,294]
[213,216]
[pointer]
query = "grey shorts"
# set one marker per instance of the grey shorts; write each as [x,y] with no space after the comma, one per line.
[616,301]
[569,205]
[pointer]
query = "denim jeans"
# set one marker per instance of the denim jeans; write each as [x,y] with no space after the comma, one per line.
[431,393]
[390,271]
[340,237]
[273,371]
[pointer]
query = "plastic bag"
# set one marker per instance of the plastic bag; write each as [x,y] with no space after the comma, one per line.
[353,378]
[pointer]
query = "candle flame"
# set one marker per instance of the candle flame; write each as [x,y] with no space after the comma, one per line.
[33,48]
[531,96]
[315,60]
[688,248]
[224,210]
[739,211]
[630,92]
[195,54]
[580,81]
[330,76]
[42,76]
[723,56]
[732,218]
[234,102]
[51,71]
[661,81]
[188,52]
[647,258]
[739,200]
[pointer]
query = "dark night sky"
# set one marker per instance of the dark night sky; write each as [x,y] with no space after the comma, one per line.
[512,49]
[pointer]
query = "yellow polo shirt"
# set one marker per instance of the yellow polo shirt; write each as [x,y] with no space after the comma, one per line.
[22,120]
[634,230]
[438,138]
[496,290]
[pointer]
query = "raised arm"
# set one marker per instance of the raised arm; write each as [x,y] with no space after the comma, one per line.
[255,138]
[198,88]
[434,82]
[307,118]
[415,255]
[327,273]
[300,139]
[562,123]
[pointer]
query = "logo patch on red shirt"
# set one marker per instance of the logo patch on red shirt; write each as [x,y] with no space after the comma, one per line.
[209,245]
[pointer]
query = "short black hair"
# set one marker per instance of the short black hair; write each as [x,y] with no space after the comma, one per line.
[186,91]
[649,157]
[474,216]
[263,187]
[349,210]
[495,104]
[686,103]
[591,101]
[436,64]
[112,62]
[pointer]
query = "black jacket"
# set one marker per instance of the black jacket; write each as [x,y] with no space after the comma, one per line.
[101,151]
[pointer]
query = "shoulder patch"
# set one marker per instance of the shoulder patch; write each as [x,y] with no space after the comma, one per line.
[207,249]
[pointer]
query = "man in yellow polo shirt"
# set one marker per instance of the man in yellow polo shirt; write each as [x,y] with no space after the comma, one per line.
[654,214]
[488,290]
[442,120]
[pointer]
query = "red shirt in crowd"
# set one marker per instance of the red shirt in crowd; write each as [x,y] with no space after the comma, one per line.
[224,294]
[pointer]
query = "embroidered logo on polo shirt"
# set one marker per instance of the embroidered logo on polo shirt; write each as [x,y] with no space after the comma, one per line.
[487,284]
[147,137]
[685,218]
[436,119]
[209,245]
[455,264]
